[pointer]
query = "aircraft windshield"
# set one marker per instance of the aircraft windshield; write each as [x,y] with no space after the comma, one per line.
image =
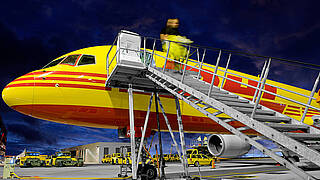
[70,60]
[86,60]
[53,63]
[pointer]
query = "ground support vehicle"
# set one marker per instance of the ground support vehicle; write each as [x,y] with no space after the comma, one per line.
[60,159]
[48,161]
[145,170]
[174,157]
[125,162]
[31,159]
[43,159]
[115,157]
[107,158]
[199,160]
[203,150]
[127,159]
[167,157]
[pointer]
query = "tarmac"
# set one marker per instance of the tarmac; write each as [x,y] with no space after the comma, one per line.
[256,169]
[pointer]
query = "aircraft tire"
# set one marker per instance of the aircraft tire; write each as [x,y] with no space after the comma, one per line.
[79,164]
[58,164]
[148,172]
[196,164]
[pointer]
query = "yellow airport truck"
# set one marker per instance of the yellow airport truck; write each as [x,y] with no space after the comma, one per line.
[107,158]
[199,160]
[166,157]
[115,158]
[174,157]
[126,159]
[120,159]
[199,155]
[43,159]
[64,158]
[31,159]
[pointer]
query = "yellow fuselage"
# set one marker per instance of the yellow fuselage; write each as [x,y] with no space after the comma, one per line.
[76,94]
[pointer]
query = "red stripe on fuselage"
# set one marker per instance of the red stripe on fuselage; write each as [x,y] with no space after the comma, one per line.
[62,79]
[68,73]
[81,86]
[313,113]
[293,110]
[291,114]
[296,107]
[104,117]
[312,110]
[57,84]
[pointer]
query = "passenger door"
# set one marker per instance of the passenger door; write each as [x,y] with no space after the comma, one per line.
[206,160]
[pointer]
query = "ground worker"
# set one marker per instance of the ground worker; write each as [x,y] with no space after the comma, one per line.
[177,51]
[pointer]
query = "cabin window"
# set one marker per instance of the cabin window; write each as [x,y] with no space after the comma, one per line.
[86,60]
[53,63]
[70,60]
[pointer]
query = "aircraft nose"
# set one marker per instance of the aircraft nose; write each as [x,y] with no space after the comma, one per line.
[18,94]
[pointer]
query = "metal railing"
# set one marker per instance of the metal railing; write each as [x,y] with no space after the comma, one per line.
[157,59]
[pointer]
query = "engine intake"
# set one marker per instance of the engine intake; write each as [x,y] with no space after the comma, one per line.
[227,146]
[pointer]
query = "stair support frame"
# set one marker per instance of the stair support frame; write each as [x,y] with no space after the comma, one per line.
[241,135]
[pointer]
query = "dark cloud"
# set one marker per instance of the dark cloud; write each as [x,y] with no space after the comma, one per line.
[31,134]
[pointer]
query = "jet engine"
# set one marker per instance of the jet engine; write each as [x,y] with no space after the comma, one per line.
[227,146]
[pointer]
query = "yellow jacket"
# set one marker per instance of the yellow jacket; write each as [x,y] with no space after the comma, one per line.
[177,51]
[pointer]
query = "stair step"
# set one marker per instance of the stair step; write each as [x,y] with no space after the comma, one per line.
[196,84]
[219,98]
[221,94]
[288,127]
[274,119]
[304,136]
[224,97]
[258,111]
[205,89]
[237,104]
[193,73]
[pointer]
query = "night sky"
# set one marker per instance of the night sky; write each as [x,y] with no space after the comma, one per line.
[33,32]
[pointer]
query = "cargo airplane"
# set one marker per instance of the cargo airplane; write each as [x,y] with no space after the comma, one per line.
[71,90]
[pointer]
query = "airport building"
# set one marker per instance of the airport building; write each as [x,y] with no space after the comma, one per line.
[93,153]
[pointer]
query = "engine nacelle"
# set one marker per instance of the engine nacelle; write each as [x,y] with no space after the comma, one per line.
[227,146]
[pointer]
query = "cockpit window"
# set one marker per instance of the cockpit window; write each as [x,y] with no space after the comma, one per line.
[53,63]
[86,60]
[70,60]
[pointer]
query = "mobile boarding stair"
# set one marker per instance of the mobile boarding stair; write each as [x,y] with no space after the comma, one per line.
[146,74]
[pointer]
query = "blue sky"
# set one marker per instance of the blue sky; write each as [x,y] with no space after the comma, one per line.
[33,32]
